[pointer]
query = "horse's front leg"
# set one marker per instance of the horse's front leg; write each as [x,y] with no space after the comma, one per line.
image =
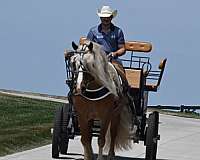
[101,139]
[113,134]
[86,139]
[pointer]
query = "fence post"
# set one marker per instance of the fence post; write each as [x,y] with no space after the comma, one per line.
[181,108]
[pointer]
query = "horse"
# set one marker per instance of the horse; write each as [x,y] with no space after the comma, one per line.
[98,95]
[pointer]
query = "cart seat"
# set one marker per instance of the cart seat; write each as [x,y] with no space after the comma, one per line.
[136,46]
[156,75]
[134,77]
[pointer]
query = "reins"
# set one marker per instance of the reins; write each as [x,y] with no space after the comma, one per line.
[73,75]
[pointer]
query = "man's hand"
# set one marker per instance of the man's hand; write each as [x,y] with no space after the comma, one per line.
[110,56]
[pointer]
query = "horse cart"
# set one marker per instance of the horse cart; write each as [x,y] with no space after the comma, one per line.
[142,79]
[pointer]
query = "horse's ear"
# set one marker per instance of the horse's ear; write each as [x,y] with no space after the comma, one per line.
[90,46]
[75,47]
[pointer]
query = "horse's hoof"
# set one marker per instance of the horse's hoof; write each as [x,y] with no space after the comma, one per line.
[89,157]
[111,157]
[100,158]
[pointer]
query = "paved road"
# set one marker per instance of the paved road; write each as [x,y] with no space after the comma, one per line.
[180,140]
[34,96]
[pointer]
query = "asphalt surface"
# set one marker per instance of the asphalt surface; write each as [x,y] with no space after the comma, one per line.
[180,140]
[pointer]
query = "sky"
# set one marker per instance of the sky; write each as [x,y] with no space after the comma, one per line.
[34,34]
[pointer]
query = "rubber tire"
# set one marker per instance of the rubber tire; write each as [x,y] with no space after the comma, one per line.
[56,132]
[64,132]
[60,137]
[151,135]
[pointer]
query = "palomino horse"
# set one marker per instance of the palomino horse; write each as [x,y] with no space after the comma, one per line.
[98,95]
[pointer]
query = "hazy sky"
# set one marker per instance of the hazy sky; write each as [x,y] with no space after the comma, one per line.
[34,33]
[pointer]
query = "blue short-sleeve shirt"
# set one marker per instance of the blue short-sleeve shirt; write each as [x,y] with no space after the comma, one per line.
[110,40]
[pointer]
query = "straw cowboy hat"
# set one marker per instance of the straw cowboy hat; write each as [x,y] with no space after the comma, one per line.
[106,11]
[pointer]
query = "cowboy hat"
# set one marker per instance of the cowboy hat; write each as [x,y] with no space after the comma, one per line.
[106,11]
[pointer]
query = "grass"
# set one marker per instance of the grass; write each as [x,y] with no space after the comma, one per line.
[24,123]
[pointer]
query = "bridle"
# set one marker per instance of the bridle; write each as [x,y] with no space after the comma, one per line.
[71,68]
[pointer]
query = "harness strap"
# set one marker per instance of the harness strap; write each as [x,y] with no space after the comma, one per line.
[94,95]
[120,71]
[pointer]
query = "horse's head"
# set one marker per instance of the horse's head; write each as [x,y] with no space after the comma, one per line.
[82,53]
[89,57]
[78,60]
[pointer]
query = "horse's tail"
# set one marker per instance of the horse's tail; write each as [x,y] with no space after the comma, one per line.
[122,141]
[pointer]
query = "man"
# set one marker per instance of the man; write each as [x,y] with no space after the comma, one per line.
[112,40]
[108,35]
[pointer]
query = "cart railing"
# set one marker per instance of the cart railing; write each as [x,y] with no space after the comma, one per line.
[155,76]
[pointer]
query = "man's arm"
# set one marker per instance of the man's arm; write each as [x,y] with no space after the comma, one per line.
[121,51]
[121,44]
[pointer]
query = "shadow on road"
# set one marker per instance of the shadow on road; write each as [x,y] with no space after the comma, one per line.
[80,157]
[71,156]
[129,158]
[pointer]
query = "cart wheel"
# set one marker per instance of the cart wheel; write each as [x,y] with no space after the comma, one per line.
[152,136]
[60,138]
[56,132]
[64,134]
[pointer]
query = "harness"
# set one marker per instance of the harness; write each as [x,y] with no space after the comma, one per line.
[72,75]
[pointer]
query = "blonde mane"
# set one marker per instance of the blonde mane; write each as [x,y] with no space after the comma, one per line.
[96,62]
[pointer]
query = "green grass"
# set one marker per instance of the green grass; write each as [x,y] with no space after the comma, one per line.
[24,123]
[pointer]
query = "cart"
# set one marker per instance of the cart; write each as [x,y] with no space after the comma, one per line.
[142,80]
